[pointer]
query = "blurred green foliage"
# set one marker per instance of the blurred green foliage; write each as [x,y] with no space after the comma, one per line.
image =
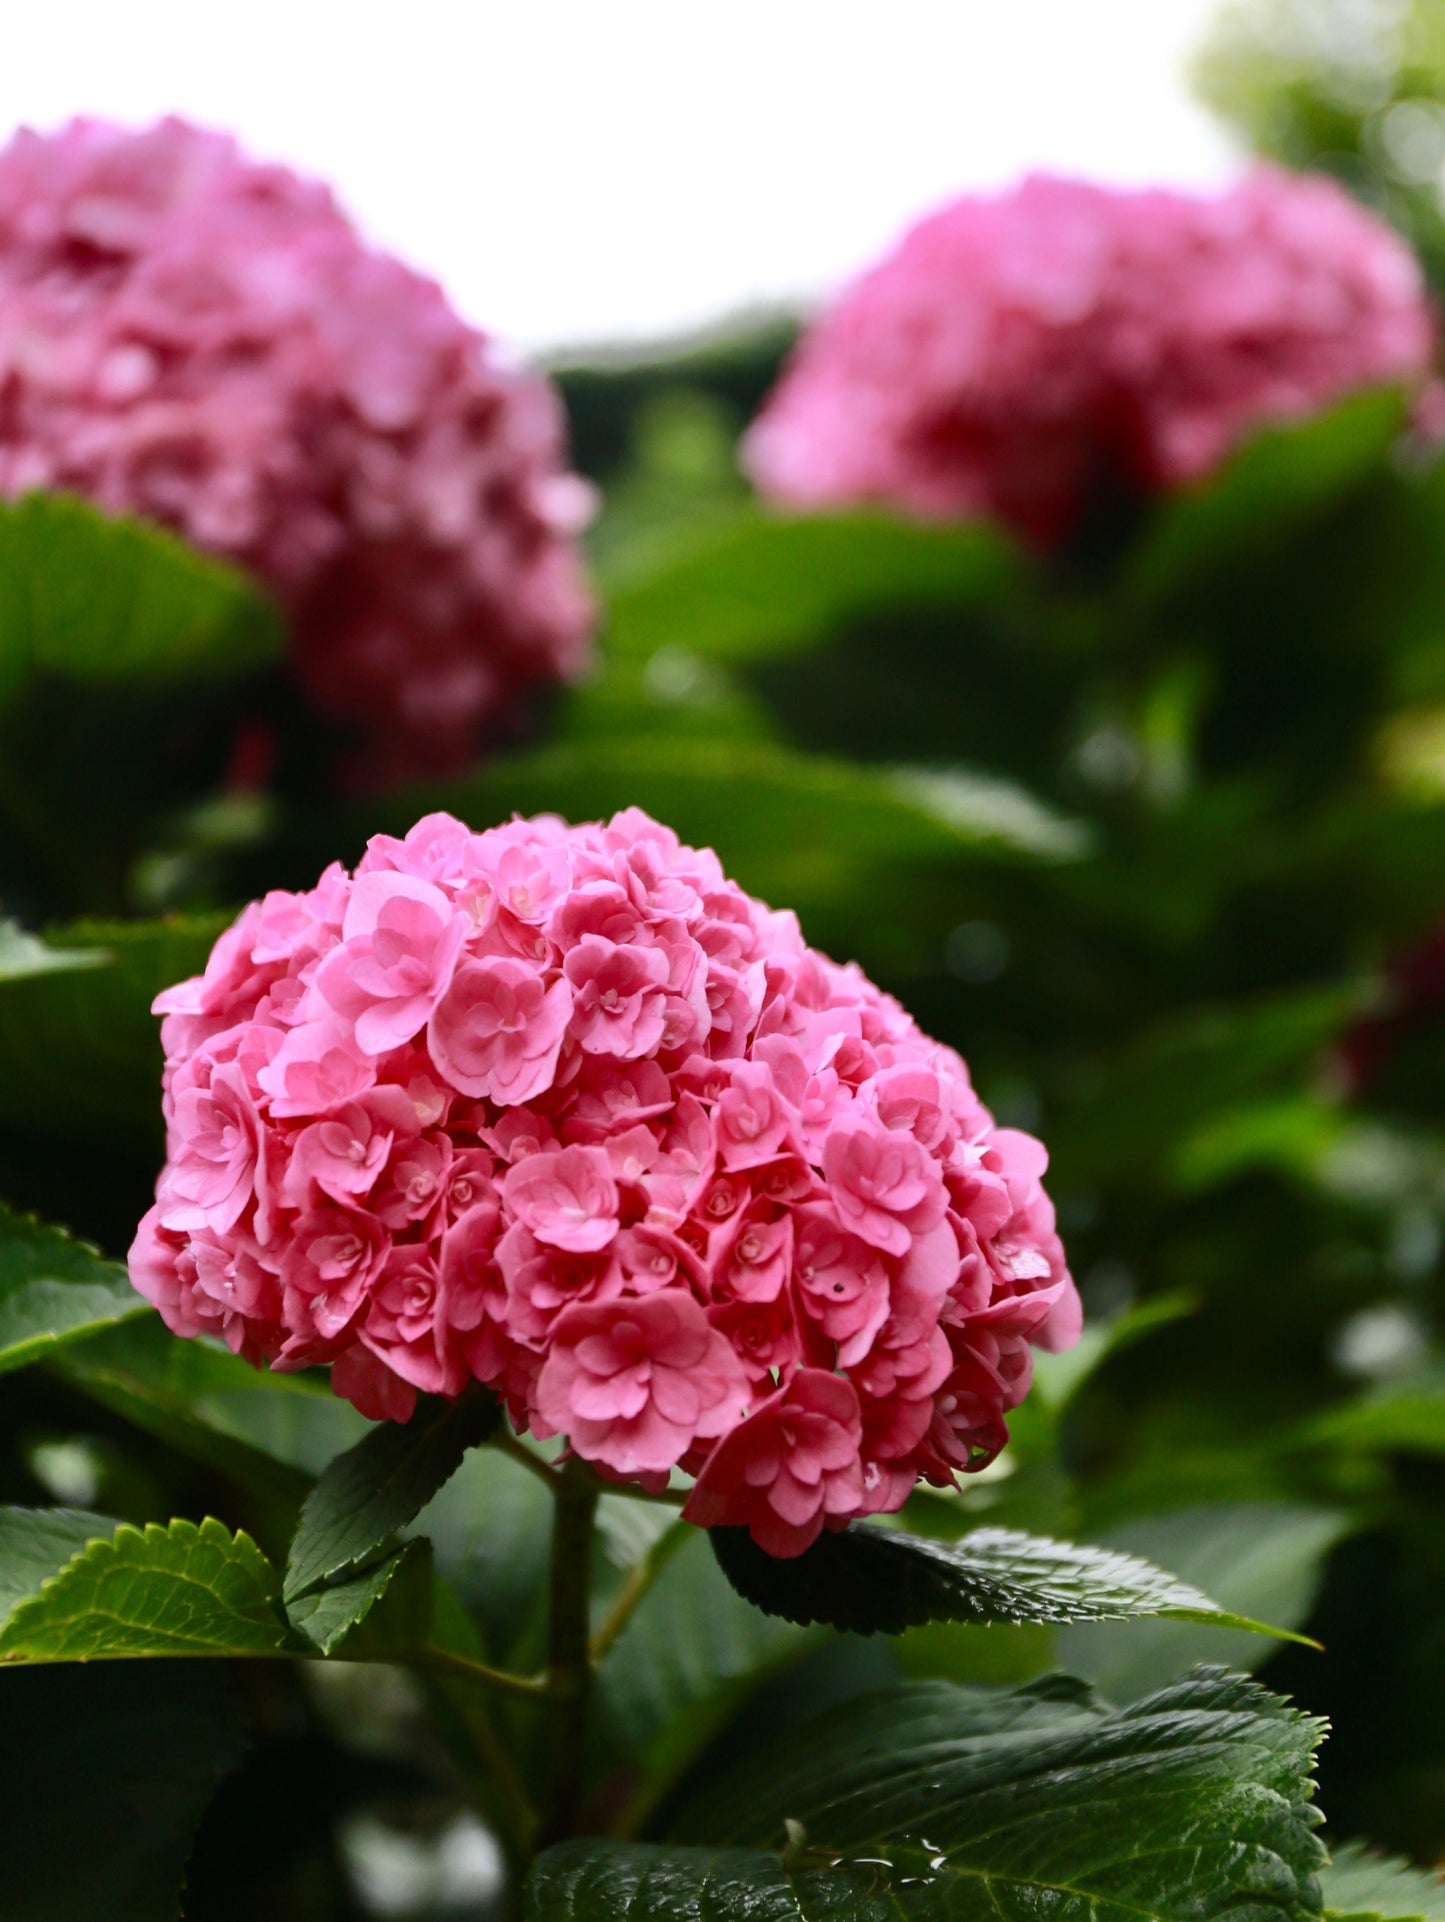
[1356,87]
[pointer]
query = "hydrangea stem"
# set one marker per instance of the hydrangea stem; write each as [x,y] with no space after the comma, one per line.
[569,1665]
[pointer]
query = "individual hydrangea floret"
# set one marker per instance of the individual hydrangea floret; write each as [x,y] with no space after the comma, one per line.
[565,1111]
[192,337]
[1029,355]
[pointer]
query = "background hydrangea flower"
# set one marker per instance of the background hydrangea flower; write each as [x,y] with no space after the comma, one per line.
[683,1190]
[191,337]
[1015,355]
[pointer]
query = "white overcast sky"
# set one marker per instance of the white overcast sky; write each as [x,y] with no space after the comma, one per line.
[596,170]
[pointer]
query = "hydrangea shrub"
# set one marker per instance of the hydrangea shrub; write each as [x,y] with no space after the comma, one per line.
[1022,354]
[204,341]
[565,1111]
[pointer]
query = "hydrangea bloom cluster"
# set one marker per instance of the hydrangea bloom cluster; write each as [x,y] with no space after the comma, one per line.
[566,1111]
[206,342]
[1015,355]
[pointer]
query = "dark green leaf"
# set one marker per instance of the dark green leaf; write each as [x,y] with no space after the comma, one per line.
[380,1485]
[36,1543]
[869,1579]
[54,1290]
[108,1770]
[953,1804]
[326,1616]
[181,1590]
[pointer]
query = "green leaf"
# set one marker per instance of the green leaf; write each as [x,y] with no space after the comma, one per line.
[1359,1882]
[99,601]
[1265,1560]
[380,1485]
[54,1290]
[1407,1420]
[326,1616]
[295,1420]
[80,1053]
[765,584]
[37,1542]
[973,1805]
[181,1590]
[109,1769]
[1274,485]
[185,1393]
[869,1579]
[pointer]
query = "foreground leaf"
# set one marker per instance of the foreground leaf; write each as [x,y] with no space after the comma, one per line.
[98,601]
[1359,1882]
[181,1590]
[943,1802]
[380,1485]
[54,1289]
[870,1579]
[110,1769]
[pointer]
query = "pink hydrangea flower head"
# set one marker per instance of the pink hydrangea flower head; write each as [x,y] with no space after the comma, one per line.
[564,1111]
[206,342]
[1016,354]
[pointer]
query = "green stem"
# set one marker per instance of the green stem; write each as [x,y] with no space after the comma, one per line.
[569,1664]
[447,1662]
[507,1444]
[639,1581]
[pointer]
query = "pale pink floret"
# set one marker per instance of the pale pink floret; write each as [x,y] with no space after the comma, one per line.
[205,341]
[1032,354]
[563,1111]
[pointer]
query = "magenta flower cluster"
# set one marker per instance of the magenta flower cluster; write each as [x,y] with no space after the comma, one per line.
[565,1111]
[190,337]
[1023,356]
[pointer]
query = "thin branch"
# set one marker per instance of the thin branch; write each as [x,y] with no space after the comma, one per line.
[447,1662]
[506,1442]
[639,1580]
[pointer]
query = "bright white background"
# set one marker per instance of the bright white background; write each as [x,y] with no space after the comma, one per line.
[588,170]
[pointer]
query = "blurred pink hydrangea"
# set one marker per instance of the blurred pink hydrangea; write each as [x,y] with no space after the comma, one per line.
[565,1111]
[191,337]
[1015,355]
